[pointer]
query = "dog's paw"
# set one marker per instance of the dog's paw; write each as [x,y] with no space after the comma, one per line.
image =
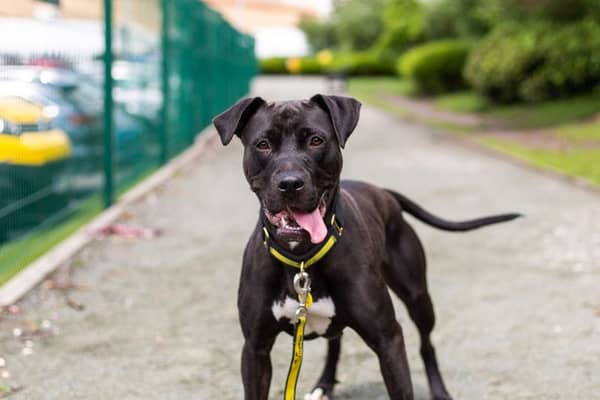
[316,394]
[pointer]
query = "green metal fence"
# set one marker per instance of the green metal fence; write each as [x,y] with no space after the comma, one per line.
[78,127]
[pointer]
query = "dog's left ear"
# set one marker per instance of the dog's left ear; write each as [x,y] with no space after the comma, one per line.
[231,121]
[343,112]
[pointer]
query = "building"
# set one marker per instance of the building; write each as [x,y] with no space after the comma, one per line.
[272,22]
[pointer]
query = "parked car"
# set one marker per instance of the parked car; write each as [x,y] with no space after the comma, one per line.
[80,113]
[33,161]
[137,88]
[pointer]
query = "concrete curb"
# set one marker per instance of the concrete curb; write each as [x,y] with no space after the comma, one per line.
[34,273]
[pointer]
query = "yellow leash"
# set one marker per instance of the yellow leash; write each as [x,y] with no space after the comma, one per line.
[302,288]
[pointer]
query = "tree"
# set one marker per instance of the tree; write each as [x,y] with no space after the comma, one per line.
[319,34]
[403,26]
[357,23]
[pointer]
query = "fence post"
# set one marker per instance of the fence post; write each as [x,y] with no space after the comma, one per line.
[165,72]
[108,107]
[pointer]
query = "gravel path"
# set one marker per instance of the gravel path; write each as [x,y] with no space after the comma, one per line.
[518,305]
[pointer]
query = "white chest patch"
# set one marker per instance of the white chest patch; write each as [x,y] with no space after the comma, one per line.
[318,318]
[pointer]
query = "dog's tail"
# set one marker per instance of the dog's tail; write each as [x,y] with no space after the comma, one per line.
[455,226]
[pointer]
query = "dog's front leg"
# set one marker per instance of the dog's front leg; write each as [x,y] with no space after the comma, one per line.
[256,368]
[259,327]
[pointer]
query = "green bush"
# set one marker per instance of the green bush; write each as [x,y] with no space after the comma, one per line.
[403,22]
[367,63]
[436,66]
[571,63]
[456,18]
[310,66]
[273,65]
[502,61]
[536,63]
[352,63]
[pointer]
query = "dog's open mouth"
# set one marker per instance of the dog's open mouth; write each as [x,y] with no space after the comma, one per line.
[293,223]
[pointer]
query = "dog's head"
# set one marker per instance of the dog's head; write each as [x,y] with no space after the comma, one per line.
[292,158]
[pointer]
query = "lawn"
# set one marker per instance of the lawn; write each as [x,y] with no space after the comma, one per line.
[16,255]
[524,116]
[582,163]
[375,91]
[462,102]
[570,120]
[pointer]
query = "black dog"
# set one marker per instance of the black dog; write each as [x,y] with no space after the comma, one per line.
[292,161]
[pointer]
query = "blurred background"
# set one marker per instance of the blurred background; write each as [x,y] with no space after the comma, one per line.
[79,125]
[72,141]
[520,77]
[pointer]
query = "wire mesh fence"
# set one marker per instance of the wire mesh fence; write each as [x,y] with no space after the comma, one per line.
[66,148]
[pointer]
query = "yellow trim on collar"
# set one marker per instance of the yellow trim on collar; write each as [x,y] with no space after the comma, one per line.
[320,254]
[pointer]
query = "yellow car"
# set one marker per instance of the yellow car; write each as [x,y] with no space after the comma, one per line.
[26,136]
[33,161]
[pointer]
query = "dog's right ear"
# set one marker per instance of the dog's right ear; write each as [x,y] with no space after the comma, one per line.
[231,121]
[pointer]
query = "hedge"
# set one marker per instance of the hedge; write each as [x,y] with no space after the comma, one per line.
[537,62]
[436,66]
[273,65]
[354,63]
[368,63]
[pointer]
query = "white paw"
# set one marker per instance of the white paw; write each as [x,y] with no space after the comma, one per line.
[316,394]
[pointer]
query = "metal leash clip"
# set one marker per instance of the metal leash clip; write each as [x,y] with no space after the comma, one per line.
[302,288]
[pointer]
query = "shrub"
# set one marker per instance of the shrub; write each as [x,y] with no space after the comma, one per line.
[501,62]
[571,63]
[273,65]
[310,66]
[436,66]
[352,63]
[294,65]
[367,63]
[536,63]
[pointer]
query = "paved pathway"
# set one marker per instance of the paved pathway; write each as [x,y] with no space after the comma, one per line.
[518,305]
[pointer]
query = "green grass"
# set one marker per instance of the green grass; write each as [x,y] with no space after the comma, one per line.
[577,133]
[581,163]
[374,90]
[521,115]
[548,113]
[566,117]
[388,85]
[451,127]
[462,102]
[16,255]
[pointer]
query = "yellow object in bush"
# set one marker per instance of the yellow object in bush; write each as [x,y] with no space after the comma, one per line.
[293,65]
[325,57]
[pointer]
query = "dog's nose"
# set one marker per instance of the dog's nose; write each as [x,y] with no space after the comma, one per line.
[291,184]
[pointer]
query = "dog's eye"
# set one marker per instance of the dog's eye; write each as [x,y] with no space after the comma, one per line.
[316,141]
[263,145]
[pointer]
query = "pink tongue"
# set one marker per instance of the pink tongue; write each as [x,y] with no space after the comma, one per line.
[312,223]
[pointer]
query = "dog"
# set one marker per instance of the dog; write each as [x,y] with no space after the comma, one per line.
[292,161]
